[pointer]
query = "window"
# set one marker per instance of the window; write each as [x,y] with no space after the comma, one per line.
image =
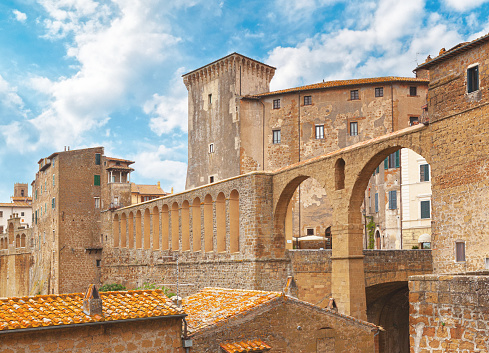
[36,217]
[392,200]
[211,148]
[22,214]
[53,203]
[53,179]
[41,189]
[211,179]
[413,92]
[424,172]
[353,128]
[98,262]
[96,180]
[379,91]
[319,131]
[116,200]
[21,192]
[376,202]
[392,161]
[1,214]
[473,79]
[310,231]
[210,99]
[112,179]
[1,229]
[413,120]
[97,158]
[276,104]
[460,251]
[425,209]
[307,100]
[97,202]
[276,136]
[354,95]
[36,194]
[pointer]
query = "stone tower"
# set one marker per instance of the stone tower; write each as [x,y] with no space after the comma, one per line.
[214,93]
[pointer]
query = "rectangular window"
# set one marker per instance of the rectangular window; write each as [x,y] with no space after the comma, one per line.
[1,229]
[413,120]
[53,203]
[392,200]
[310,231]
[276,104]
[41,189]
[353,128]
[376,202]
[413,92]
[425,209]
[112,180]
[1,214]
[307,100]
[210,99]
[473,79]
[460,251]
[36,194]
[97,202]
[22,214]
[393,161]
[276,136]
[211,148]
[53,179]
[211,179]
[379,91]
[98,262]
[424,172]
[319,131]
[36,217]
[96,180]
[354,94]
[97,158]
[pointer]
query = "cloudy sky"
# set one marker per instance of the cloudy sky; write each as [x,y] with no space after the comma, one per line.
[107,73]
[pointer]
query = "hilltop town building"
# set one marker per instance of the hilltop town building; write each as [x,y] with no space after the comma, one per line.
[143,193]
[20,204]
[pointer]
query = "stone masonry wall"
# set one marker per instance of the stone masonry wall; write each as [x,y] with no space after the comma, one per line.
[449,313]
[150,336]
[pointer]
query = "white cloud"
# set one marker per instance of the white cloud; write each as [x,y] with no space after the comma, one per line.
[464,5]
[114,46]
[9,96]
[155,164]
[297,10]
[19,16]
[169,112]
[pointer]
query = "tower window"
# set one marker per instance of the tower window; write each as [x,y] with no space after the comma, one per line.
[473,79]
[413,92]
[379,91]
[307,100]
[276,104]
[354,94]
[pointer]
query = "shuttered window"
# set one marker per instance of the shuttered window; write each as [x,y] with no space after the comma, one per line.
[392,200]
[425,209]
[424,172]
[96,180]
[376,202]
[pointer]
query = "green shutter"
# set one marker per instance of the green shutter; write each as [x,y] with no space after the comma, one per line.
[397,159]
[425,209]
[96,180]
[376,202]
[386,163]
[97,158]
[392,200]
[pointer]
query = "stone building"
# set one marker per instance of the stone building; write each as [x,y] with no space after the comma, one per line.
[142,321]
[236,125]
[231,320]
[20,204]
[143,193]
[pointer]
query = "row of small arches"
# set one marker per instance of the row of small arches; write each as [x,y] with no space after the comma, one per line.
[137,229]
[19,242]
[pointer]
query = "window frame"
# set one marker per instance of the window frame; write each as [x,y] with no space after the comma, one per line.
[211,148]
[307,100]
[393,200]
[421,203]
[379,92]
[96,180]
[276,103]
[96,201]
[413,89]
[98,158]
[460,245]
[53,203]
[354,95]
[376,204]
[353,132]
[473,82]
[424,172]
[276,137]
[209,98]
[319,130]
[412,121]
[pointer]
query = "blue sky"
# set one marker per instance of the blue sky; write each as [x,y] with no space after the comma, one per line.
[87,73]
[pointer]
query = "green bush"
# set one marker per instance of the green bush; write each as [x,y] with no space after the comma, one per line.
[110,287]
[151,286]
[415,247]
[370,230]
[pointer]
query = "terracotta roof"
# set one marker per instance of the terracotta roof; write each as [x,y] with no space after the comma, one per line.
[119,160]
[459,48]
[245,346]
[66,309]
[119,167]
[342,83]
[147,189]
[15,204]
[214,305]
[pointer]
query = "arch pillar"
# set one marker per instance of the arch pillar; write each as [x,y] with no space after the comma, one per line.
[348,275]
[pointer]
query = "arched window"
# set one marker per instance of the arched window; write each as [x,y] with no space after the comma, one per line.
[340,174]
[22,241]
[17,241]
[378,240]
[221,222]
[234,221]
[329,238]
[208,224]
[196,225]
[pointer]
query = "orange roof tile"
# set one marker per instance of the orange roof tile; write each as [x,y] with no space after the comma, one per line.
[214,305]
[341,83]
[66,309]
[147,189]
[245,346]
[15,204]
[119,160]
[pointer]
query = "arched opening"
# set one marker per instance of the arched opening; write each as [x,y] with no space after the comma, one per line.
[329,238]
[123,231]
[208,224]
[339,174]
[147,229]
[378,240]
[221,222]
[196,225]
[11,233]
[156,228]
[115,230]
[234,221]
[22,240]
[139,242]
[130,238]
[17,241]
[175,230]
[185,226]
[165,227]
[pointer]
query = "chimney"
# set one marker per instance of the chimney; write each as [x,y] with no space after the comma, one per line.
[291,288]
[332,304]
[159,185]
[92,304]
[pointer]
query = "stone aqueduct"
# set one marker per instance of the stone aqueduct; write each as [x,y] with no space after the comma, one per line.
[244,217]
